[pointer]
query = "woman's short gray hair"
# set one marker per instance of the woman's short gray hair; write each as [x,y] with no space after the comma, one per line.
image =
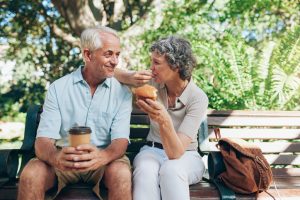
[90,37]
[178,53]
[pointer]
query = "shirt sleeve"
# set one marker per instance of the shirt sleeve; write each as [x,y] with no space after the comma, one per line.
[195,114]
[121,123]
[50,121]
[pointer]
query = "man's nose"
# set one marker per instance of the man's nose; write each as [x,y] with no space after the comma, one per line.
[114,60]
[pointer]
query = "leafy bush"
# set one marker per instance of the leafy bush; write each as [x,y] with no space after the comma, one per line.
[236,71]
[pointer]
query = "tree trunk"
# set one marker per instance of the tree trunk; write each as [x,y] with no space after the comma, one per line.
[81,14]
[77,13]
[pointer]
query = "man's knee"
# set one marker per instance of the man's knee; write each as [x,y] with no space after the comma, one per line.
[36,172]
[117,174]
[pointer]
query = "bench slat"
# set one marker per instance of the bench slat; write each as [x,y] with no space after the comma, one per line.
[270,147]
[254,121]
[248,133]
[206,194]
[138,133]
[283,159]
[260,113]
[139,119]
[202,190]
[285,172]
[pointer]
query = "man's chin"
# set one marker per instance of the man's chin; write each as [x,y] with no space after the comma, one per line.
[111,74]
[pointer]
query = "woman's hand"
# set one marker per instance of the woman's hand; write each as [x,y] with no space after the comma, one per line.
[156,111]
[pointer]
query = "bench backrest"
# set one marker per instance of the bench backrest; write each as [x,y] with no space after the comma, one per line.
[277,133]
[138,131]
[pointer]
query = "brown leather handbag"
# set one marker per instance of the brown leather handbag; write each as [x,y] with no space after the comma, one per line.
[247,170]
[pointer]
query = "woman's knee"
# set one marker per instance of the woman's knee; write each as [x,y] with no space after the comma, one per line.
[172,168]
[146,159]
[147,166]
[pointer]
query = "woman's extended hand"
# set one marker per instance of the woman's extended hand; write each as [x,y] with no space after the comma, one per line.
[156,111]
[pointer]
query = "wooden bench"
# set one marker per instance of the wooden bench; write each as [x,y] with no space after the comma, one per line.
[276,132]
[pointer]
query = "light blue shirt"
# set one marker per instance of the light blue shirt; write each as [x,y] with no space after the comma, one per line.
[69,102]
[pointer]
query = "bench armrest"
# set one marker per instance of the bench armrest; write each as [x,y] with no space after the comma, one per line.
[31,124]
[9,158]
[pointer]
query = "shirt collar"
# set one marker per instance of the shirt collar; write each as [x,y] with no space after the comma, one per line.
[183,98]
[77,77]
[185,94]
[161,86]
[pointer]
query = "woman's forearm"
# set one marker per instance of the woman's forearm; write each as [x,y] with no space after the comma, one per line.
[173,146]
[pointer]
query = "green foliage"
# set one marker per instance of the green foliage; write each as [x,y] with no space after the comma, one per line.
[227,74]
[285,79]
[19,117]
[41,56]
[247,51]
[240,66]
[237,76]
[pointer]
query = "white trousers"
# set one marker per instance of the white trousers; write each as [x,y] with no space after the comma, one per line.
[155,177]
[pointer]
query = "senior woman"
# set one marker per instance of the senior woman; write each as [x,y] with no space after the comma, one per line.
[169,163]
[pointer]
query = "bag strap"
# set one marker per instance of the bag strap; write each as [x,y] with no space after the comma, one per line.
[215,168]
[225,192]
[217,133]
[218,136]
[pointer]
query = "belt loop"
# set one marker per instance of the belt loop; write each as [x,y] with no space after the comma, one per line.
[153,144]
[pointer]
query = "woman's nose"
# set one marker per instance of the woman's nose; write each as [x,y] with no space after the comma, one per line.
[152,67]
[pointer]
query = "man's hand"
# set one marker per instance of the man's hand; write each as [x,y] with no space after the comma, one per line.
[139,78]
[91,159]
[64,159]
[133,78]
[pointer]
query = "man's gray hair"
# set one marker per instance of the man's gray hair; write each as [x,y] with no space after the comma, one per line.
[90,37]
[178,54]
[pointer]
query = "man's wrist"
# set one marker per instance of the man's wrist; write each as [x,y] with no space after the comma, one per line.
[53,159]
[122,75]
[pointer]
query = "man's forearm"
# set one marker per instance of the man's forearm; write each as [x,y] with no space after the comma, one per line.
[133,78]
[123,76]
[116,149]
[45,150]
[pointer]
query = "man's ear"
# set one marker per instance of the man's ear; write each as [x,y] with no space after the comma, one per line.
[87,54]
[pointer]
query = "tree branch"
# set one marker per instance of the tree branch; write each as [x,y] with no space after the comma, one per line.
[67,37]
